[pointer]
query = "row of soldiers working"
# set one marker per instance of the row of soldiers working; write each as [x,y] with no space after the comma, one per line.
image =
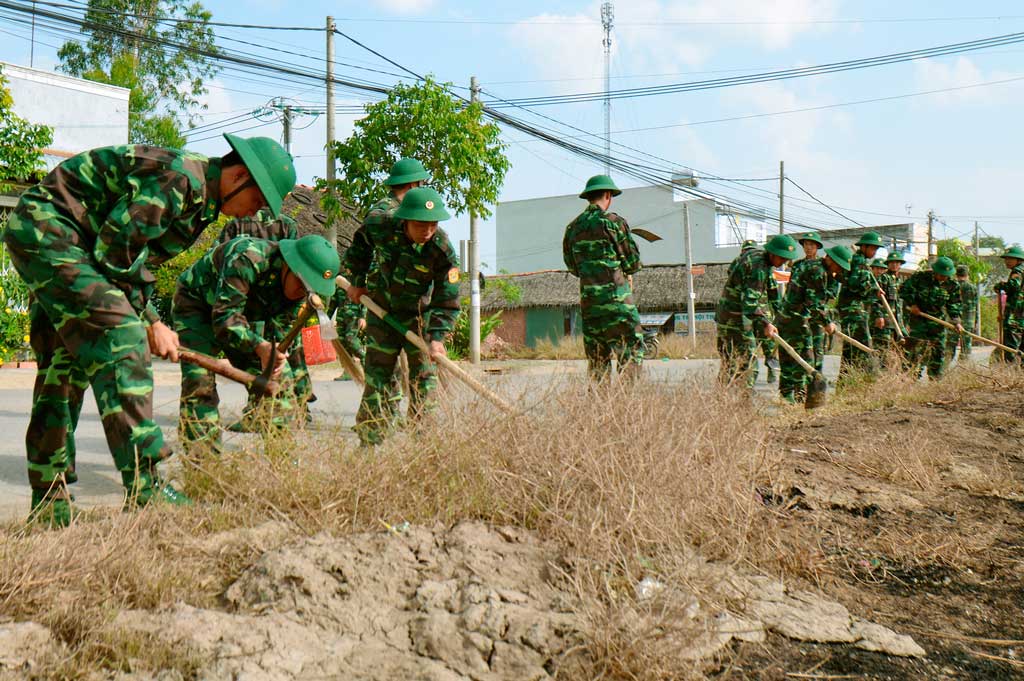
[86,239]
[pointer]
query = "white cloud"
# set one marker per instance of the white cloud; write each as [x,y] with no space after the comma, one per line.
[932,74]
[405,6]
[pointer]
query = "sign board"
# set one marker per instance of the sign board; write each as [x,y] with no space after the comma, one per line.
[705,322]
[697,270]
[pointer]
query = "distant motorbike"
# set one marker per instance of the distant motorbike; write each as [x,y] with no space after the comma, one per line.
[652,342]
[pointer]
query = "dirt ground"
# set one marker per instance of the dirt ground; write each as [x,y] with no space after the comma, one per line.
[928,543]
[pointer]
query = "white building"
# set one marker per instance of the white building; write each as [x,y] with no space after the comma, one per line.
[83,114]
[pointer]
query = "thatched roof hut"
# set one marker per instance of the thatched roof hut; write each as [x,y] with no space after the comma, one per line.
[656,287]
[303,206]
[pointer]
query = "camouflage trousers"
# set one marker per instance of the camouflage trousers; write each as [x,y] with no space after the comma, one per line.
[855,325]
[737,348]
[379,411]
[926,348]
[963,341]
[890,350]
[792,377]
[621,338]
[352,340]
[1013,337]
[198,411]
[83,332]
[819,343]
[301,392]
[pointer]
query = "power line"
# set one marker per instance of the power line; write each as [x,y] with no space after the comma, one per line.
[659,24]
[794,183]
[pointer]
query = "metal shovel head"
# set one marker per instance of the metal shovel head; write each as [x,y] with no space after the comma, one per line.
[328,332]
[817,392]
[645,234]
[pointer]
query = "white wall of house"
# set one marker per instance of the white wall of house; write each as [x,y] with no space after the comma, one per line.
[529,232]
[83,114]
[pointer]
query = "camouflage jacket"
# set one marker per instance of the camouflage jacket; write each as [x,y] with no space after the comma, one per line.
[408,278]
[932,296]
[745,296]
[968,298]
[346,313]
[808,293]
[132,207]
[1014,298]
[360,253]
[859,291]
[241,283]
[260,226]
[599,249]
[891,285]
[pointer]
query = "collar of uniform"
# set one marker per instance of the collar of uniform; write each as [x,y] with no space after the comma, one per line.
[594,206]
[213,171]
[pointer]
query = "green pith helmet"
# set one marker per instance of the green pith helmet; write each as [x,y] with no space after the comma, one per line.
[600,183]
[896,256]
[877,262]
[314,261]
[1014,252]
[870,239]
[811,236]
[406,170]
[747,245]
[269,165]
[840,255]
[422,204]
[944,266]
[782,245]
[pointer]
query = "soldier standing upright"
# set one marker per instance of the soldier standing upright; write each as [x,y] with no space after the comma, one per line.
[936,293]
[743,314]
[889,282]
[84,240]
[769,348]
[417,280]
[217,303]
[1013,314]
[969,301]
[858,297]
[806,306]
[599,249]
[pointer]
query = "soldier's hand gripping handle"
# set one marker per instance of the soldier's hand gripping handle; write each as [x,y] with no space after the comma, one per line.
[163,341]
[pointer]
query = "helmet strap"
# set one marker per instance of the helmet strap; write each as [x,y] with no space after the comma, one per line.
[239,189]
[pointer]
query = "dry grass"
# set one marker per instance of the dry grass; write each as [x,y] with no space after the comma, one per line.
[631,480]
[671,346]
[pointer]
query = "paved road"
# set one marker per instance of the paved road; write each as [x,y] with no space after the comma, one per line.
[99,483]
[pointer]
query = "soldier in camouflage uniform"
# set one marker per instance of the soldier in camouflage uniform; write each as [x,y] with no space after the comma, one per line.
[806,306]
[1013,314]
[263,225]
[885,335]
[417,281]
[599,249]
[769,348]
[935,292]
[351,322]
[858,298]
[85,240]
[811,243]
[216,304]
[969,302]
[743,313]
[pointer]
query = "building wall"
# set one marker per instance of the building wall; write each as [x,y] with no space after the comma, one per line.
[513,327]
[529,232]
[544,323]
[84,115]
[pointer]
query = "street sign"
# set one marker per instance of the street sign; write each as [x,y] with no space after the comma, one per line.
[697,270]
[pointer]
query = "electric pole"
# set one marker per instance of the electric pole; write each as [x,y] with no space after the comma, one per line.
[782,193]
[474,265]
[332,229]
[691,315]
[931,220]
[286,122]
[977,306]
[607,21]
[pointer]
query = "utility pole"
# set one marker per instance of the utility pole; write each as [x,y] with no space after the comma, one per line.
[286,122]
[474,265]
[32,43]
[782,194]
[691,315]
[977,306]
[931,220]
[332,229]
[607,21]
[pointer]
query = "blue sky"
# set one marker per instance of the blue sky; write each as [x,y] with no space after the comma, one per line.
[957,152]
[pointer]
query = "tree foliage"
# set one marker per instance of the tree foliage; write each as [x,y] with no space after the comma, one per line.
[463,153]
[21,142]
[963,254]
[133,43]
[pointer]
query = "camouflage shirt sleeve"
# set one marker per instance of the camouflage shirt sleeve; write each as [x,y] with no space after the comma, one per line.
[567,255]
[754,299]
[121,249]
[954,300]
[625,246]
[230,326]
[440,316]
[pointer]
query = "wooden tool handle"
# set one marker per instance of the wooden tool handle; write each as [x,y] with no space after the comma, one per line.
[222,367]
[795,355]
[443,361]
[304,314]
[854,342]
[975,336]
[890,313]
[348,362]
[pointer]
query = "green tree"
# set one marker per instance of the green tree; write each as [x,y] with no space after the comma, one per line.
[135,44]
[963,254]
[21,142]
[463,153]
